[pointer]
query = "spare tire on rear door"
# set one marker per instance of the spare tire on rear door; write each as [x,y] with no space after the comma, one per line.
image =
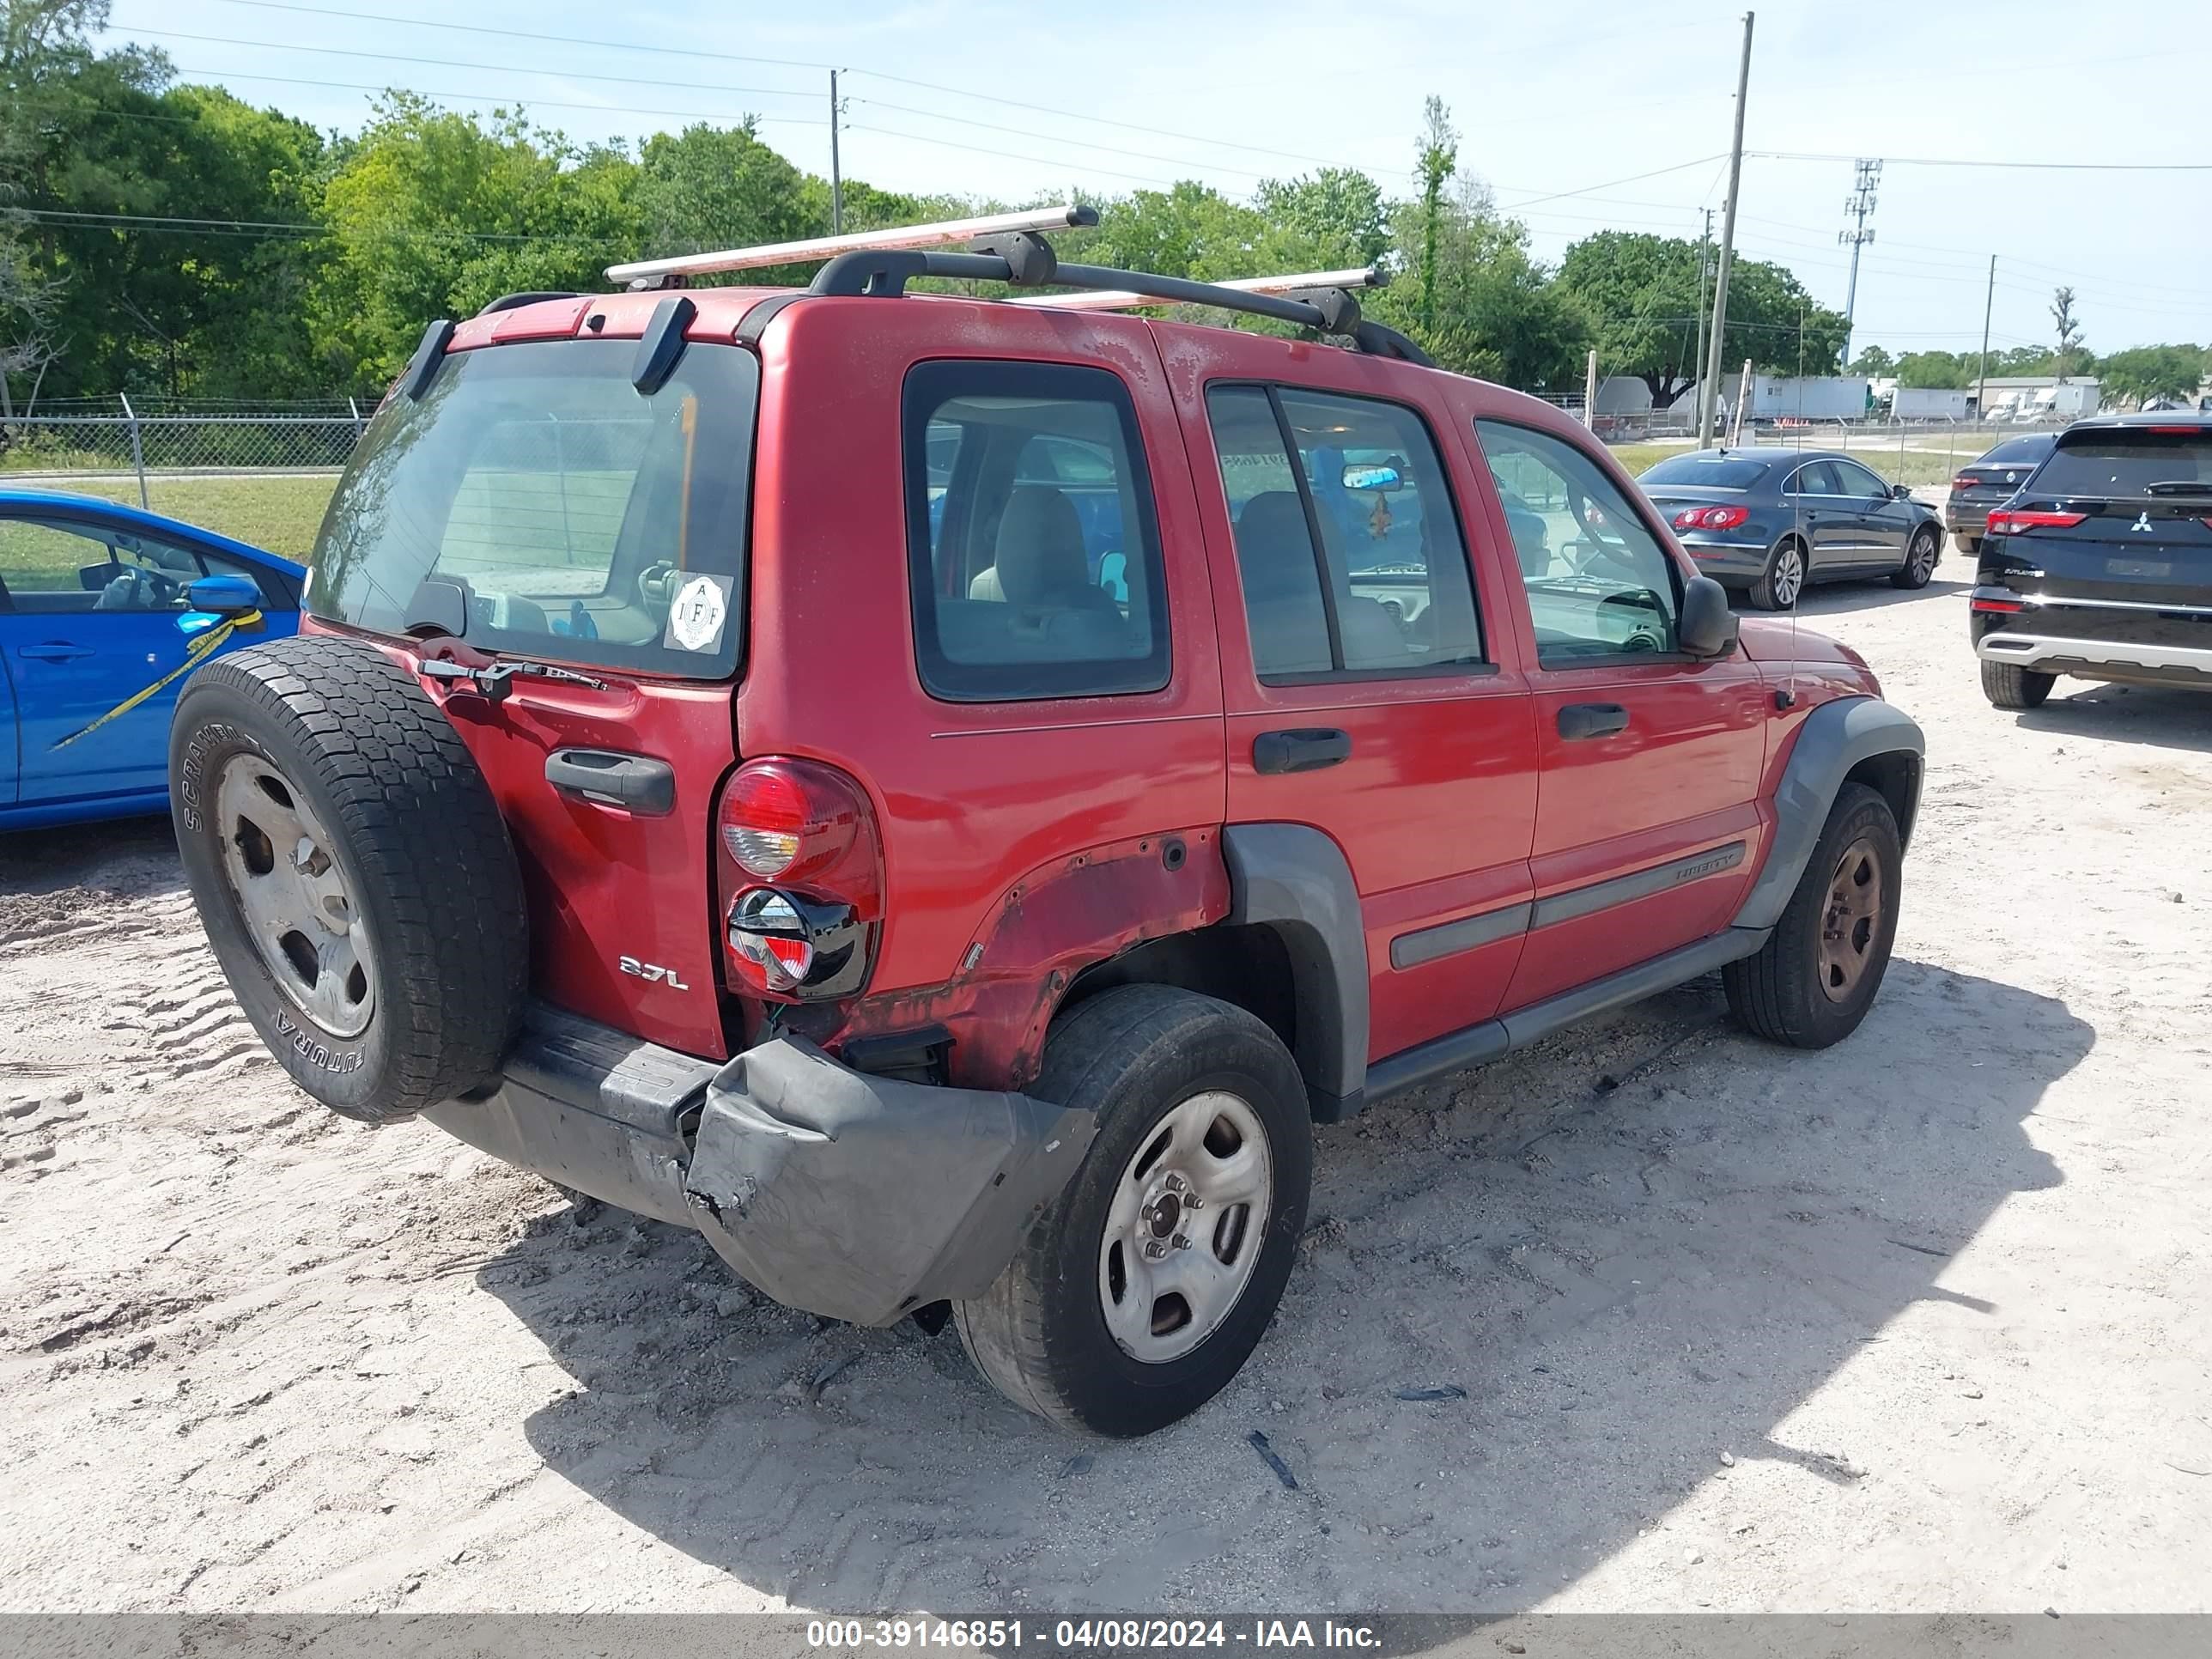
[353,872]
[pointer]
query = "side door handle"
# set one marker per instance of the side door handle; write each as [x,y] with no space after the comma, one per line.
[1301,748]
[1592,720]
[635,783]
[53,651]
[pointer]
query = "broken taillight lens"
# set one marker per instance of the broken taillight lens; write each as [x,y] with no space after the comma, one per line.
[801,879]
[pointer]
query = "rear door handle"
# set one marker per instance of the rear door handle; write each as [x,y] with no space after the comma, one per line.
[1592,720]
[53,651]
[1301,748]
[635,783]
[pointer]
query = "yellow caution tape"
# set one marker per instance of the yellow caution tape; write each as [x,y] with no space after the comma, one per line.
[196,652]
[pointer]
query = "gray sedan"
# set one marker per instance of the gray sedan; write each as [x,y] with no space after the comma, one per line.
[1768,520]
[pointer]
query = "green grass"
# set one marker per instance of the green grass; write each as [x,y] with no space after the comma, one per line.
[281,512]
[1923,460]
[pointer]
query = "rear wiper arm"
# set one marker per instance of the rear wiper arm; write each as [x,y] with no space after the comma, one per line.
[493,682]
[2178,487]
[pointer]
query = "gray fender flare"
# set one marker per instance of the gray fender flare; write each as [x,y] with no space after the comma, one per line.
[1834,737]
[1293,880]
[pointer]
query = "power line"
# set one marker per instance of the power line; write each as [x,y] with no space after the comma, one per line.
[472,64]
[512,99]
[1955,161]
[600,45]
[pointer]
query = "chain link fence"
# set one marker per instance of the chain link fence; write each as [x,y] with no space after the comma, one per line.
[263,475]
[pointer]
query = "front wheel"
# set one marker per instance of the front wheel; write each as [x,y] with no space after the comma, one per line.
[1920,556]
[1146,1285]
[1814,980]
[1784,579]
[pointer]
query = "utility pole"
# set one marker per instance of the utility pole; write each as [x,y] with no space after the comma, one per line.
[1859,204]
[1982,379]
[1728,241]
[836,178]
[1704,272]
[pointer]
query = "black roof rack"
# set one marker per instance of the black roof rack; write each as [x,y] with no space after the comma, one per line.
[1025,259]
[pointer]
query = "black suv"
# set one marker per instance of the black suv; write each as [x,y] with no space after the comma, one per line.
[2102,565]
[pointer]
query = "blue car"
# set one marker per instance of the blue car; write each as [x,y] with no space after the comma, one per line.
[103,610]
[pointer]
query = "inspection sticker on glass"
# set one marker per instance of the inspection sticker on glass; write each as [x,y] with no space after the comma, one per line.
[702,606]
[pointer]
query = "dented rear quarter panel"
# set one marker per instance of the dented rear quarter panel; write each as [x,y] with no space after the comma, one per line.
[1014,823]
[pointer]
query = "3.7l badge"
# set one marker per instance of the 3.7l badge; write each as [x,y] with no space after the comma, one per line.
[650,971]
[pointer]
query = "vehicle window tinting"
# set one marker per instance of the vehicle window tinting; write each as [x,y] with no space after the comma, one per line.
[1856,480]
[1815,478]
[1033,545]
[1388,590]
[2114,462]
[1598,583]
[1712,472]
[591,523]
[2017,451]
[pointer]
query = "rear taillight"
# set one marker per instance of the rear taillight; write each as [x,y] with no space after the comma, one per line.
[1965,481]
[2019,521]
[1991,604]
[802,880]
[1711,518]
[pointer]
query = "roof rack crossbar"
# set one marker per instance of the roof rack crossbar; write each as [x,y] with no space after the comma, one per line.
[1125,298]
[945,232]
[1322,301]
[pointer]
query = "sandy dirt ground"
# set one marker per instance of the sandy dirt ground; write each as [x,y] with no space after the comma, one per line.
[1918,1323]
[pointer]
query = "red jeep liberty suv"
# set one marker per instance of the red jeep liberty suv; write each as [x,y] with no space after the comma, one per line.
[942,794]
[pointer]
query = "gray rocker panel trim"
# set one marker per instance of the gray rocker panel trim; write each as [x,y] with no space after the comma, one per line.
[1835,736]
[1450,937]
[1292,878]
[1636,885]
[1474,1044]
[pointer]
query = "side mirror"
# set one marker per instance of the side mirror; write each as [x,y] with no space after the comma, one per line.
[1708,627]
[223,596]
[1901,492]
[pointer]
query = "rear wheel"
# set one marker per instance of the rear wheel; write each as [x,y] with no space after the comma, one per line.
[1814,980]
[352,872]
[2008,685]
[1920,556]
[1784,579]
[1143,1289]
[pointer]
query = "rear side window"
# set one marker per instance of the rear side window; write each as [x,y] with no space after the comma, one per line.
[2116,462]
[589,523]
[1348,547]
[1032,542]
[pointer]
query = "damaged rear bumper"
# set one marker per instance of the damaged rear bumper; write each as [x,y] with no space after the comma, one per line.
[856,1197]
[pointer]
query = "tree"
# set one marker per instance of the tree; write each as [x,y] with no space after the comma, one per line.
[1436,153]
[433,214]
[1333,218]
[2070,328]
[1939,369]
[2142,372]
[1640,293]
[1872,362]
[41,43]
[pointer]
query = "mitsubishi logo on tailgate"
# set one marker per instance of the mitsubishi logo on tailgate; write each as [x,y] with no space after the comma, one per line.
[2141,523]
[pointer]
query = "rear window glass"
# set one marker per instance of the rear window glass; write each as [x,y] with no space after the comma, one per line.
[1712,474]
[590,524]
[1032,544]
[2018,452]
[2112,463]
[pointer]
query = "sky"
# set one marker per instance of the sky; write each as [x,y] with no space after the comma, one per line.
[1581,117]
